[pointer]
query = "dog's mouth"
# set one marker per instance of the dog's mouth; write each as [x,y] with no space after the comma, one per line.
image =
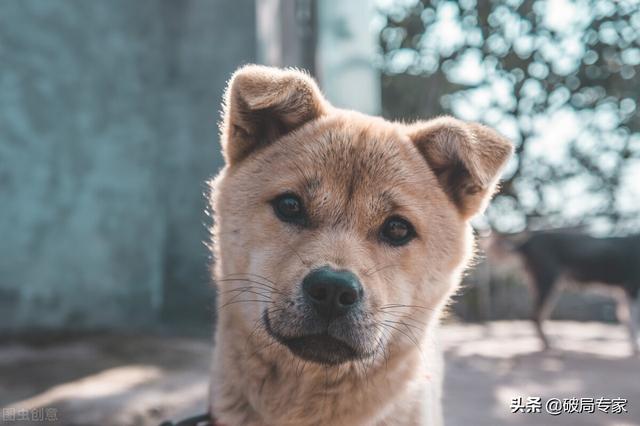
[319,348]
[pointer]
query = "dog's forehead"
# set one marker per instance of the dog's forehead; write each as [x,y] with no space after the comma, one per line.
[346,165]
[348,151]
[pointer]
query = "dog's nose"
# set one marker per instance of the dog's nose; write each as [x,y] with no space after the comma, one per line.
[332,293]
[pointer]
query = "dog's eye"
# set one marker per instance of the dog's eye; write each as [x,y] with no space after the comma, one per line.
[397,231]
[289,208]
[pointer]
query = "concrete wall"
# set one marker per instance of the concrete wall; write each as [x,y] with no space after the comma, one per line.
[108,130]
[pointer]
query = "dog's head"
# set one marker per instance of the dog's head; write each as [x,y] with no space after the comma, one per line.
[341,235]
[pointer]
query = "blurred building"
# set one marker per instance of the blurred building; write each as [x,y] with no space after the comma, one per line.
[108,129]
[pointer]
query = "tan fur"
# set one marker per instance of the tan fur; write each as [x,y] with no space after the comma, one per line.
[352,171]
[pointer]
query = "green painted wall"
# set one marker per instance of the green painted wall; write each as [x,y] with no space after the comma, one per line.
[108,130]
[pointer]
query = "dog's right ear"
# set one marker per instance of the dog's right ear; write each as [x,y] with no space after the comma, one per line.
[263,104]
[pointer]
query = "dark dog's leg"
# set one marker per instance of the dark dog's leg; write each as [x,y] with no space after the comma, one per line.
[628,314]
[548,290]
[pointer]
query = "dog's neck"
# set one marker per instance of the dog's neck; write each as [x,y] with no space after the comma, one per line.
[252,387]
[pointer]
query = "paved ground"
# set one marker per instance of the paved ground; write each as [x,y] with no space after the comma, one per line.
[487,366]
[106,380]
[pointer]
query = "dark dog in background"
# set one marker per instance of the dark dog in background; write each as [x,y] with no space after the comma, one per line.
[554,259]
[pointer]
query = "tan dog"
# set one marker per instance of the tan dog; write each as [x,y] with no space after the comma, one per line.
[338,239]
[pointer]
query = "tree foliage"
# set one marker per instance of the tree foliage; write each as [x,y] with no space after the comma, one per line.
[561,78]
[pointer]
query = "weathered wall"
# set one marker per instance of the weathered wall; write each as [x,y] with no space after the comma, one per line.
[108,130]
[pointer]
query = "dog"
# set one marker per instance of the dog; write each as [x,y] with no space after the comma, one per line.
[555,259]
[338,239]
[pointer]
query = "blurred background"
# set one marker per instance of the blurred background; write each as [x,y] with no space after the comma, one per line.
[108,133]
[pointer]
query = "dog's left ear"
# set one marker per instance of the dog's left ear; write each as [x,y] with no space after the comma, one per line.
[466,157]
[263,104]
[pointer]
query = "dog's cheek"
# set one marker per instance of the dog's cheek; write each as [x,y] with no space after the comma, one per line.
[278,260]
[427,269]
[244,249]
[392,280]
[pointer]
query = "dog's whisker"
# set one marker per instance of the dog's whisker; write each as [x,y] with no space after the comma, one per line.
[238,294]
[382,344]
[251,290]
[257,290]
[236,274]
[258,326]
[251,286]
[235,295]
[245,301]
[222,280]
[419,329]
[368,273]
[260,349]
[413,339]
[399,330]
[405,324]
[403,306]
[405,317]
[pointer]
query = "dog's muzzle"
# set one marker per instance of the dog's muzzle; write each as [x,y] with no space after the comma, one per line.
[328,332]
